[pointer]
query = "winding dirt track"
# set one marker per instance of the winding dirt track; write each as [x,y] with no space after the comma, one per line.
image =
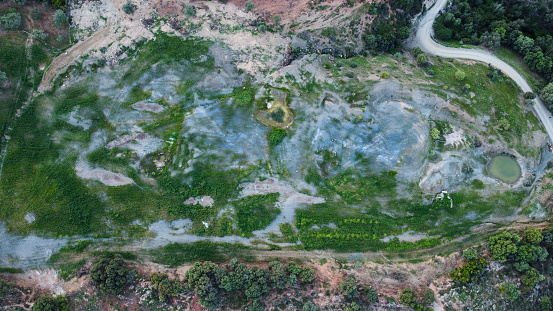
[424,40]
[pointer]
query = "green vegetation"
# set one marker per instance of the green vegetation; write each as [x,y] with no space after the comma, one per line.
[349,287]
[176,254]
[60,19]
[10,21]
[249,6]
[275,137]
[255,212]
[129,7]
[45,303]
[110,274]
[165,287]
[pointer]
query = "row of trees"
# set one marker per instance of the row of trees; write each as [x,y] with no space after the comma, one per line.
[526,27]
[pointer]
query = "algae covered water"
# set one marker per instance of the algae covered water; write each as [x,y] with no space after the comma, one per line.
[504,168]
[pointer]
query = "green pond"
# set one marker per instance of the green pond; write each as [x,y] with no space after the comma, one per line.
[505,169]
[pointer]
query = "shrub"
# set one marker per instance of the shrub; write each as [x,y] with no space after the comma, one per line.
[530,278]
[460,75]
[164,286]
[190,10]
[275,137]
[511,291]
[532,235]
[435,133]
[3,77]
[372,295]
[416,51]
[36,13]
[385,75]
[421,59]
[109,273]
[129,8]
[276,19]
[545,303]
[39,34]
[348,287]
[10,21]
[309,306]
[547,95]
[20,2]
[51,304]
[428,296]
[249,6]
[408,297]
[307,274]
[60,19]
[529,95]
[470,254]
[469,271]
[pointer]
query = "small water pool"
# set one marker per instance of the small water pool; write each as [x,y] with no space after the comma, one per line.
[504,168]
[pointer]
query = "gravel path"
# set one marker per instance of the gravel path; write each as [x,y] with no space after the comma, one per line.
[424,39]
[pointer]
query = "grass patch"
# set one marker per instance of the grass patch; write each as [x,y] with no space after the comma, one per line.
[177,254]
[255,212]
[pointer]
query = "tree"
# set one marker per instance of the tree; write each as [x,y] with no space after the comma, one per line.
[416,51]
[348,287]
[10,21]
[537,61]
[60,19]
[532,235]
[524,44]
[460,75]
[129,7]
[202,278]
[547,95]
[408,297]
[511,291]
[503,245]
[44,303]
[39,34]
[491,40]
[190,10]
[164,286]
[428,296]
[109,273]
[36,13]
[249,6]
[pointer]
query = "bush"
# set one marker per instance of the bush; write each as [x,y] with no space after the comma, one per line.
[20,2]
[530,279]
[129,8]
[249,6]
[309,306]
[3,77]
[469,271]
[511,291]
[421,59]
[36,13]
[416,51]
[10,21]
[275,137]
[532,235]
[165,287]
[428,296]
[408,297]
[276,19]
[470,254]
[51,304]
[545,303]
[385,75]
[529,95]
[348,287]
[460,75]
[109,273]
[372,295]
[190,10]
[39,34]
[60,19]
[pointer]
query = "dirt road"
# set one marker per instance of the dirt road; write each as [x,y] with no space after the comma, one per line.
[100,38]
[424,40]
